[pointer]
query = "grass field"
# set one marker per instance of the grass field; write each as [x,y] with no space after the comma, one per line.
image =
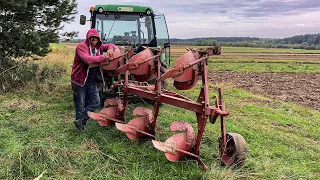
[38,136]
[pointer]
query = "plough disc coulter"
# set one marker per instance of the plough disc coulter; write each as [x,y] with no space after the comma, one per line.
[187,70]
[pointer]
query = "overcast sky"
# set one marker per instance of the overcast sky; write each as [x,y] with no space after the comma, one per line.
[224,18]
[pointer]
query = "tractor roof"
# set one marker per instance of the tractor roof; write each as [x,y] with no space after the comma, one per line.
[123,8]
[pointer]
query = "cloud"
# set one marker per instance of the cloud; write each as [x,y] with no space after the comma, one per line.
[308,25]
[246,8]
[203,18]
[279,8]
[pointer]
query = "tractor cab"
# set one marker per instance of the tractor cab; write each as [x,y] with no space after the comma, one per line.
[126,25]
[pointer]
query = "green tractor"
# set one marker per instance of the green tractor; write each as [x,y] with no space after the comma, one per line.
[127,25]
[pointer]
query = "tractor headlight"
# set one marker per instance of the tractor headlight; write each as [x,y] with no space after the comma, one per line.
[100,10]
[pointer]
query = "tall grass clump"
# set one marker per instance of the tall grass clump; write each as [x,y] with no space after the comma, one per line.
[17,73]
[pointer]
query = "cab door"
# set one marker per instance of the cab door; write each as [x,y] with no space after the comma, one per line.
[162,36]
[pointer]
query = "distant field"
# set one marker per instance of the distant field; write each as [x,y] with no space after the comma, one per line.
[268,50]
[251,50]
[260,60]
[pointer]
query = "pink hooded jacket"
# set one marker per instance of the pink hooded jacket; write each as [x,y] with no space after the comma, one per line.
[83,58]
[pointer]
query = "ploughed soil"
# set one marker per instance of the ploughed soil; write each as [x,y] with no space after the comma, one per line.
[302,89]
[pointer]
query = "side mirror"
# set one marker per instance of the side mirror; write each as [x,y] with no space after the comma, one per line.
[83,19]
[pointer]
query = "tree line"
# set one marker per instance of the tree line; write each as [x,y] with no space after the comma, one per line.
[307,41]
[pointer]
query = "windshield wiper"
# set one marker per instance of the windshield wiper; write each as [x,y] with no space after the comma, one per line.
[110,28]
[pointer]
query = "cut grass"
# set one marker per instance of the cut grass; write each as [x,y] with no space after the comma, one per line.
[38,136]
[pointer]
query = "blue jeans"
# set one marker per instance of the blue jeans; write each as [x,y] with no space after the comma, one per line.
[85,99]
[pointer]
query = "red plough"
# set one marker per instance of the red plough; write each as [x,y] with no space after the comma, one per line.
[187,70]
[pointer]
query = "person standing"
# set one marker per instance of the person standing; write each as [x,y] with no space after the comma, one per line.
[84,80]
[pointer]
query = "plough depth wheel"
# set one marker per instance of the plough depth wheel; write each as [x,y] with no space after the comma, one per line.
[235,151]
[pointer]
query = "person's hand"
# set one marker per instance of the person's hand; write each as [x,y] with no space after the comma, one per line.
[110,53]
[106,56]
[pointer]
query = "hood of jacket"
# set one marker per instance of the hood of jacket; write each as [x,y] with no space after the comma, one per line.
[93,32]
